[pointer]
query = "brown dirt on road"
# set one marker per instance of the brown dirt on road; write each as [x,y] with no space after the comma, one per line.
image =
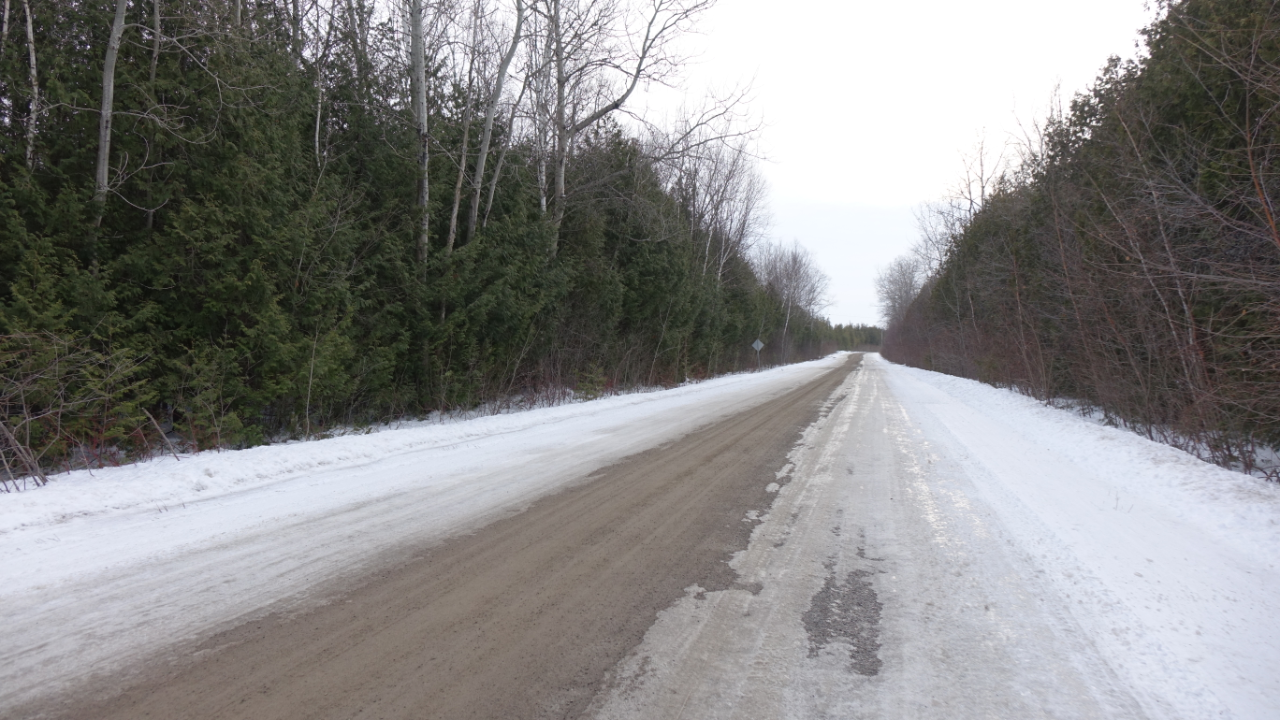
[522,619]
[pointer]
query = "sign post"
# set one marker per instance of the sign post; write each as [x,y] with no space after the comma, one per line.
[758,346]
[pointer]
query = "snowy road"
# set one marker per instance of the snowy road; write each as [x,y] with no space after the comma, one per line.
[937,549]
[949,550]
[104,573]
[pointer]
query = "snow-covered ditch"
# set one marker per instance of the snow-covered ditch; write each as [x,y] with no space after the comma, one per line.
[102,568]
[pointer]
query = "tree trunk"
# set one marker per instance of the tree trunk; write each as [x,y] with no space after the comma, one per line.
[155,42]
[477,179]
[297,29]
[502,158]
[467,115]
[319,115]
[540,80]
[4,28]
[33,120]
[542,184]
[786,323]
[462,175]
[104,120]
[417,52]
[561,147]
[321,58]
[155,61]
[493,184]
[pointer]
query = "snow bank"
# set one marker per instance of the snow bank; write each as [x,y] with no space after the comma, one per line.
[1236,509]
[165,482]
[1169,564]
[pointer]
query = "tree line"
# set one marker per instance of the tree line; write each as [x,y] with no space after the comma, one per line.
[1127,258]
[228,221]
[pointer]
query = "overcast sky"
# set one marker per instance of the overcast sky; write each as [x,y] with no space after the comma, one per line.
[870,108]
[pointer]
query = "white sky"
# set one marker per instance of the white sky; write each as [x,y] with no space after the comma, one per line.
[869,108]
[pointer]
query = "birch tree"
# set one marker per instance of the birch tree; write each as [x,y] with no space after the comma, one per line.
[502,154]
[418,84]
[472,58]
[104,119]
[794,279]
[33,118]
[491,111]
[599,52]
[4,28]
[155,42]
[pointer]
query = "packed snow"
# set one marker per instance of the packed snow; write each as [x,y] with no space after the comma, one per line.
[946,549]
[1170,564]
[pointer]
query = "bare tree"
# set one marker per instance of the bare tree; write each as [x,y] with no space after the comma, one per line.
[320,61]
[491,111]
[472,54]
[502,154]
[792,276]
[4,28]
[104,120]
[33,119]
[417,52]
[897,286]
[715,176]
[596,61]
[741,217]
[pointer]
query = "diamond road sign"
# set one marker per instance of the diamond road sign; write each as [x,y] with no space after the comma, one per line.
[757,345]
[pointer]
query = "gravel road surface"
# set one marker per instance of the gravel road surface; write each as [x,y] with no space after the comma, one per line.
[524,618]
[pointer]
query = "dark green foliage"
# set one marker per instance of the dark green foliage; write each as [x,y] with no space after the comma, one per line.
[64,405]
[255,272]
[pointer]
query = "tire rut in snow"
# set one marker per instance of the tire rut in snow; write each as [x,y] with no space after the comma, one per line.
[847,612]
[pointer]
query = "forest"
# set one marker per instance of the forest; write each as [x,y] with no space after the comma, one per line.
[229,222]
[1124,257]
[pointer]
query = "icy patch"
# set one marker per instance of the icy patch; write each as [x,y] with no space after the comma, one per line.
[847,613]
